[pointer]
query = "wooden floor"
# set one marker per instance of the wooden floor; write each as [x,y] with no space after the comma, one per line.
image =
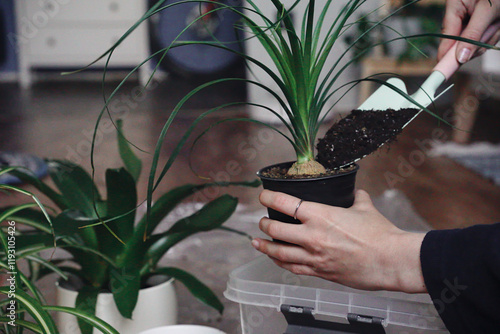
[57,120]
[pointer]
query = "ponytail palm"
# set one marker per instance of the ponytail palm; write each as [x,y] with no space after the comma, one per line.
[307,86]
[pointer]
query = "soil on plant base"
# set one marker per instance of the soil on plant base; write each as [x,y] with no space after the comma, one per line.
[359,134]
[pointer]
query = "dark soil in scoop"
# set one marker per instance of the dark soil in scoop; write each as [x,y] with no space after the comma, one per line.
[359,134]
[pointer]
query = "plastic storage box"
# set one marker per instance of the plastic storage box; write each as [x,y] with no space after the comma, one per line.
[275,301]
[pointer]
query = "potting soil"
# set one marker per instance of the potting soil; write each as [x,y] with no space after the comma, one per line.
[360,133]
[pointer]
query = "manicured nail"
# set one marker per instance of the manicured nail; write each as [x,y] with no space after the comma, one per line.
[464,56]
[255,243]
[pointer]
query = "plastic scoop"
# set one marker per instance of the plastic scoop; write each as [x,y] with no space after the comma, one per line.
[387,98]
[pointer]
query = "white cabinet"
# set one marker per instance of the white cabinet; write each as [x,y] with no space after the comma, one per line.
[70,34]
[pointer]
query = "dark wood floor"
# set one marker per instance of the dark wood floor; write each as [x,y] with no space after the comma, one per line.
[57,120]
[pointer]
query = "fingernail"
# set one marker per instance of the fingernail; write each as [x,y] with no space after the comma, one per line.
[464,56]
[255,243]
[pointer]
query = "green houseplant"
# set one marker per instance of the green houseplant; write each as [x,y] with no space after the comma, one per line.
[299,54]
[110,248]
[20,295]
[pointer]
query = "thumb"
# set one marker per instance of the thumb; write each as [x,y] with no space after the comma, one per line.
[480,20]
[362,200]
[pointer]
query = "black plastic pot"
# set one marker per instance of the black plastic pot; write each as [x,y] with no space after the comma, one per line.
[335,190]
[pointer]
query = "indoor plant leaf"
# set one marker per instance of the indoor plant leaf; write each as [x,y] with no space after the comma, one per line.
[24,324]
[125,285]
[28,240]
[29,178]
[195,286]
[49,265]
[136,247]
[35,309]
[132,163]
[122,198]
[101,325]
[76,186]
[68,224]
[120,208]
[27,284]
[211,216]
[30,217]
[82,244]
[86,303]
[93,267]
[168,201]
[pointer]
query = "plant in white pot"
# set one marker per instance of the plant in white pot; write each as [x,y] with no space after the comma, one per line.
[114,255]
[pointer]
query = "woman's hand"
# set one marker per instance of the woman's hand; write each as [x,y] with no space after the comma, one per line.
[357,247]
[468,19]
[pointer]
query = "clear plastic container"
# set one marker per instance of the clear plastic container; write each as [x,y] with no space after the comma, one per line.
[262,289]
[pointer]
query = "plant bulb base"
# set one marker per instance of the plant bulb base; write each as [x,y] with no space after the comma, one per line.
[307,168]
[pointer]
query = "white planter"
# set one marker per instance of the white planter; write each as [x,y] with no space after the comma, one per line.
[183,329]
[156,306]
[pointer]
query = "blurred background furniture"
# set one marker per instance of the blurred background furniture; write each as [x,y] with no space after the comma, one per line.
[69,35]
[408,62]
[7,51]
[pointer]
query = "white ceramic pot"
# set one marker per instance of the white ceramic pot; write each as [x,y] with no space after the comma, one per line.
[156,306]
[183,329]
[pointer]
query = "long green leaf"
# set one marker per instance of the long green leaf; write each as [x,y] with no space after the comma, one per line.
[35,309]
[76,186]
[8,212]
[122,198]
[49,265]
[35,199]
[120,208]
[125,285]
[86,302]
[30,286]
[202,292]
[24,324]
[32,218]
[210,217]
[101,325]
[132,163]
[28,177]
[69,223]
[4,240]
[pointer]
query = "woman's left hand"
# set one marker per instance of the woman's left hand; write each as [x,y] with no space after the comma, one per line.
[357,247]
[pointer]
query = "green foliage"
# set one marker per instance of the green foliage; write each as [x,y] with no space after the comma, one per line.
[111,251]
[306,86]
[19,295]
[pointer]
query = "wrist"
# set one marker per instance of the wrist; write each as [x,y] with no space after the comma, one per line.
[405,263]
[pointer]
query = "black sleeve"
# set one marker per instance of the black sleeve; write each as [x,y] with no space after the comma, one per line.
[461,270]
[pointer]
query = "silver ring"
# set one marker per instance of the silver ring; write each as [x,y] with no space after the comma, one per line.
[297,209]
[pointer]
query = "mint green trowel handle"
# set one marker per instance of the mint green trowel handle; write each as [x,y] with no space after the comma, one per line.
[449,64]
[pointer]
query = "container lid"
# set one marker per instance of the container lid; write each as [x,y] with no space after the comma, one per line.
[262,283]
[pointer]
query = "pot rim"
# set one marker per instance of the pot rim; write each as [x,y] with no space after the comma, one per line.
[259,174]
[150,288]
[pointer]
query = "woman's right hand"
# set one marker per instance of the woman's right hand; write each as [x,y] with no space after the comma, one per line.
[468,19]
